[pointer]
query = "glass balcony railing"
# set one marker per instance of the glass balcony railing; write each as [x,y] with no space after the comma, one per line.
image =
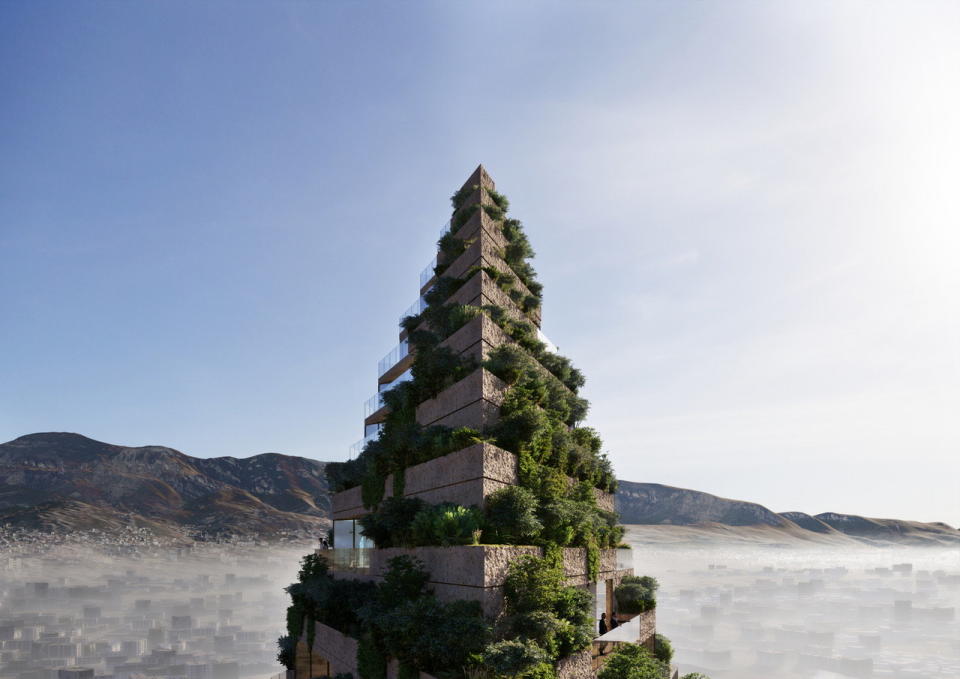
[397,354]
[427,274]
[358,447]
[349,560]
[624,559]
[445,230]
[414,308]
[372,405]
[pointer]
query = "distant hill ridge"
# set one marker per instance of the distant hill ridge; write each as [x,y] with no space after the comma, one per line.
[64,481]
[68,481]
[658,505]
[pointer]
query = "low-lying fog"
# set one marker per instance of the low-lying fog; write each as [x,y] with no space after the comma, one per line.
[210,612]
[214,612]
[807,613]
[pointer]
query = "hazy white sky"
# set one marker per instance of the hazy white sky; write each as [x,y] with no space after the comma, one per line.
[746,217]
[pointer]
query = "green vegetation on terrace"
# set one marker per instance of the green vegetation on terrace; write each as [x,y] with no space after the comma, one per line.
[543,621]
[632,661]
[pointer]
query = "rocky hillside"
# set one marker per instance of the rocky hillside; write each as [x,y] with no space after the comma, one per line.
[652,503]
[70,482]
[62,481]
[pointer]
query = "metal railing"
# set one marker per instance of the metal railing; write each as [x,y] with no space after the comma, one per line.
[397,354]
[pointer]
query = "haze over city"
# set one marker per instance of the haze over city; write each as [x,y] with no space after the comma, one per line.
[745,217]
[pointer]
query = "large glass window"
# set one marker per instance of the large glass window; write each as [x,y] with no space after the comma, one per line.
[347,535]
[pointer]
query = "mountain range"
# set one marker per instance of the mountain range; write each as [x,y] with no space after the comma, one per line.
[68,482]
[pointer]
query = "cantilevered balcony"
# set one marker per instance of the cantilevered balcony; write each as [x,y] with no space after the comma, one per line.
[372,405]
[427,275]
[394,363]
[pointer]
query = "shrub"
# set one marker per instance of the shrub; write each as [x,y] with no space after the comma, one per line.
[662,648]
[389,525]
[287,654]
[457,199]
[344,475]
[531,585]
[500,200]
[445,524]
[412,626]
[371,662]
[404,580]
[515,658]
[407,671]
[434,635]
[636,594]
[535,595]
[462,217]
[510,517]
[632,661]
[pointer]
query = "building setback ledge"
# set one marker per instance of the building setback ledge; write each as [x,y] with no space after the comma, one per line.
[472,402]
[486,566]
[465,477]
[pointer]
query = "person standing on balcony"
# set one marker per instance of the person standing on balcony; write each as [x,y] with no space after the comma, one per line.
[603,624]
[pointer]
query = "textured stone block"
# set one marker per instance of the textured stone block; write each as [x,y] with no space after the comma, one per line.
[648,628]
[474,402]
[481,226]
[337,649]
[347,504]
[576,666]
[477,338]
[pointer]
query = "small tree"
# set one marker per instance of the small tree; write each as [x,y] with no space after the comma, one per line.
[633,661]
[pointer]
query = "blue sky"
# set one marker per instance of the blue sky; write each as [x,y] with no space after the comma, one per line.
[745,214]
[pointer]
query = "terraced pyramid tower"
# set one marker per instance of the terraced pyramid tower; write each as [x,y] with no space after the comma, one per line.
[475,528]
